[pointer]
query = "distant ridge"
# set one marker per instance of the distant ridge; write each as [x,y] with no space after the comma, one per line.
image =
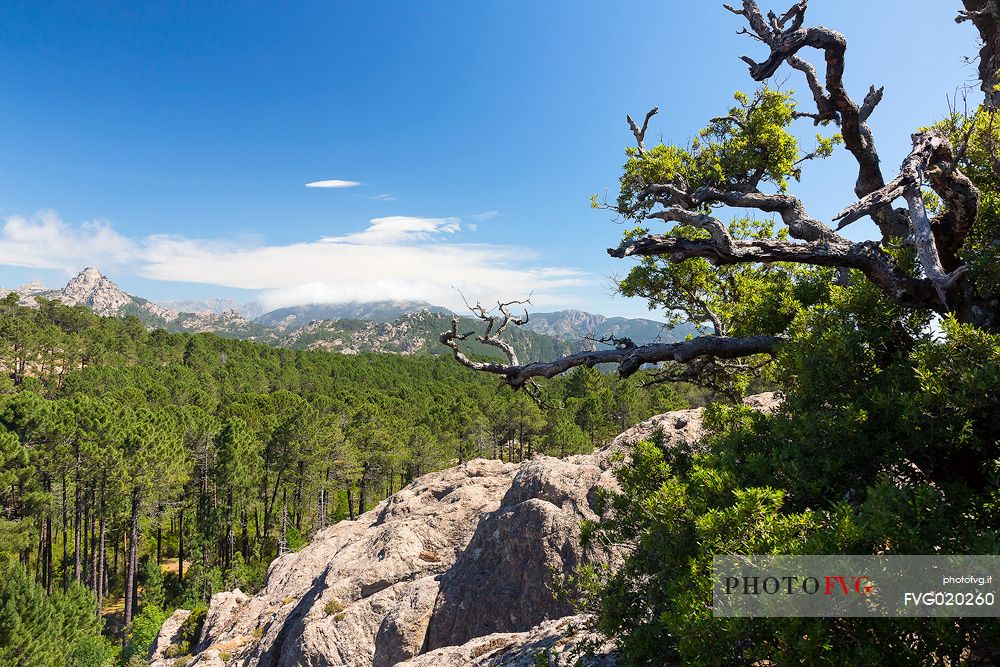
[397,327]
[295,317]
[249,310]
[577,326]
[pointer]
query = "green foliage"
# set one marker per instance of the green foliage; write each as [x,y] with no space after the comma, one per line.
[93,651]
[751,142]
[565,437]
[221,450]
[152,584]
[190,630]
[142,632]
[333,606]
[751,147]
[886,442]
[40,629]
[977,137]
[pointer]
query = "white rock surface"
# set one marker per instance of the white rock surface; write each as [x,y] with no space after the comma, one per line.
[452,570]
[169,634]
[97,292]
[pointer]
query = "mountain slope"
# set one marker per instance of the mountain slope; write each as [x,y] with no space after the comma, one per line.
[413,333]
[576,326]
[98,293]
[399,327]
[250,310]
[95,291]
[294,317]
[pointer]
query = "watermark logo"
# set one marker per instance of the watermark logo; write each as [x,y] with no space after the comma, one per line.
[855,586]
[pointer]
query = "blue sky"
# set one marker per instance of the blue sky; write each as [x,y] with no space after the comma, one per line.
[170,143]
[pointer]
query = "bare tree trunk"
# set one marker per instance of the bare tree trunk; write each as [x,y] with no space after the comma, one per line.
[102,575]
[40,556]
[135,570]
[131,557]
[65,536]
[299,498]
[362,488]
[85,539]
[246,536]
[76,520]
[48,555]
[350,501]
[180,545]
[93,538]
[985,15]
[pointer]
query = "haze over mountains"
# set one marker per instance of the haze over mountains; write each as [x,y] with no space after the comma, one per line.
[401,327]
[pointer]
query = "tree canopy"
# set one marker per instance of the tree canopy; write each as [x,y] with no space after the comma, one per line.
[885,353]
[151,469]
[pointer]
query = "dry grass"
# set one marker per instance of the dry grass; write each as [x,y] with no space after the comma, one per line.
[170,566]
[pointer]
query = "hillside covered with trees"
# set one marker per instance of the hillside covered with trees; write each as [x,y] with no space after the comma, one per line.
[140,470]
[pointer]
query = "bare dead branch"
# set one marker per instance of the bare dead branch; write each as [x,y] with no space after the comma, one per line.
[932,158]
[832,100]
[985,15]
[797,13]
[932,162]
[871,101]
[729,119]
[628,359]
[495,325]
[713,226]
[640,134]
[708,372]
[624,343]
[789,207]
[667,194]
[717,325]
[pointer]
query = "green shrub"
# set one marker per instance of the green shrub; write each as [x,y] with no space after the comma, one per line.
[333,606]
[93,651]
[190,629]
[879,447]
[142,633]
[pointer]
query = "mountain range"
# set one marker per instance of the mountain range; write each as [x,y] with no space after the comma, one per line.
[400,327]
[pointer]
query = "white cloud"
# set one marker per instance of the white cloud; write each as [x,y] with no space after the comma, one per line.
[333,183]
[46,242]
[485,215]
[396,257]
[385,196]
[399,229]
[340,269]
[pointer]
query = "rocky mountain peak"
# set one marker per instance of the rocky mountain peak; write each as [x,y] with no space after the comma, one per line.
[98,292]
[31,288]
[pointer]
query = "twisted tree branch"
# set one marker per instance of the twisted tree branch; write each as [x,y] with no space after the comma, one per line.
[985,15]
[866,256]
[931,162]
[832,100]
[628,359]
[931,157]
[640,134]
